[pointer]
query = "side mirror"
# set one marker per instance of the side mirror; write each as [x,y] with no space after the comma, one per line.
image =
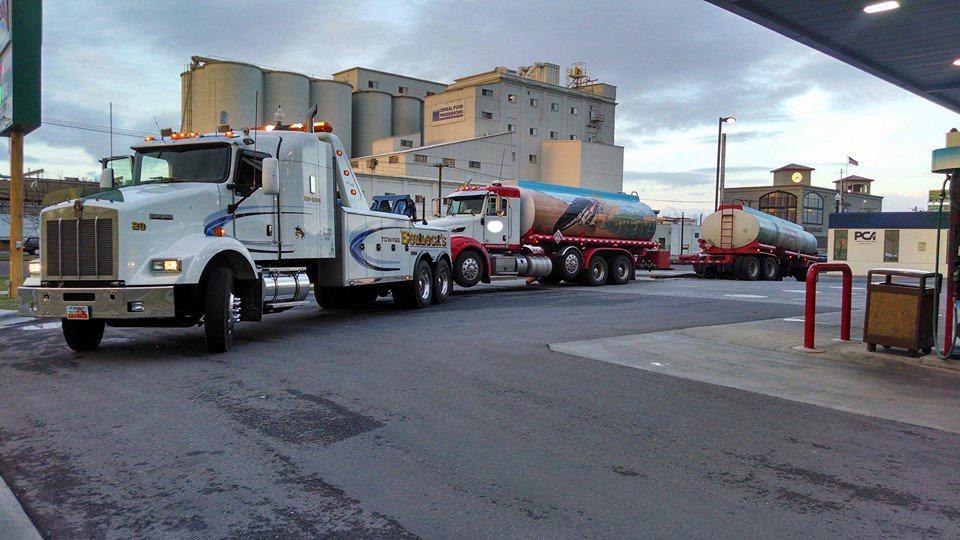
[106,178]
[271,176]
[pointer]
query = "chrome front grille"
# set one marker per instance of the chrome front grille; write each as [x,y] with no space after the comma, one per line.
[79,248]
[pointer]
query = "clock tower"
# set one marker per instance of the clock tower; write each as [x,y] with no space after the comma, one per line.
[792,175]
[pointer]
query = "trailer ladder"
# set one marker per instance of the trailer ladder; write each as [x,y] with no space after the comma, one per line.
[726,228]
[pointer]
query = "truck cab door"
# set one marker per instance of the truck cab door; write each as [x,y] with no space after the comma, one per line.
[496,227]
[255,213]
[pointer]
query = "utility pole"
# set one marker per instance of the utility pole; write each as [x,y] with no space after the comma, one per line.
[439,165]
[16,211]
[683,223]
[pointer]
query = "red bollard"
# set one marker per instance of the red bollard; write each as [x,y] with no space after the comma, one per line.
[810,314]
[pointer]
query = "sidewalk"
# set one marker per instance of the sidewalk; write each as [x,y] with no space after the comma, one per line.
[14,523]
[765,357]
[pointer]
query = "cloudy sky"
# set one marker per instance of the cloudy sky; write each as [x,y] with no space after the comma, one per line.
[679,64]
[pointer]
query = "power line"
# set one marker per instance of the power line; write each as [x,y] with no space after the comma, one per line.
[93,128]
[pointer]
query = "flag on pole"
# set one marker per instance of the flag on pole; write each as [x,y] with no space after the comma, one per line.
[851,161]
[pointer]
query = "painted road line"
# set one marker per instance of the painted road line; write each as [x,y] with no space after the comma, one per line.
[746,296]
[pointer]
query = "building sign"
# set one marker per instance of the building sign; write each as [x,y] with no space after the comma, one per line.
[452,111]
[20,36]
[865,237]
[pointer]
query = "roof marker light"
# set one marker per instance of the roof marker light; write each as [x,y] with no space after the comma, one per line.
[881,6]
[149,139]
[269,127]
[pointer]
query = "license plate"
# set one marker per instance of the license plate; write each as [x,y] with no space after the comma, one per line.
[78,313]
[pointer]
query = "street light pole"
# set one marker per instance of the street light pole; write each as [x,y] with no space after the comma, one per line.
[439,166]
[716,187]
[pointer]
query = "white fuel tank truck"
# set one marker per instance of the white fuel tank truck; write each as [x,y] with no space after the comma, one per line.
[214,229]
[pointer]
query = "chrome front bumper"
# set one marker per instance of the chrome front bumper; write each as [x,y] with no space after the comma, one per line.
[104,302]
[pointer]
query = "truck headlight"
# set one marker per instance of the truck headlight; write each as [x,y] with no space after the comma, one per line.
[165,265]
[35,268]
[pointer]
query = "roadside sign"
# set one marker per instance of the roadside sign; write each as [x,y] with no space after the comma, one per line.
[20,38]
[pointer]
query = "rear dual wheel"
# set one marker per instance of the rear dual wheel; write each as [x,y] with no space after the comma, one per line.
[770,269]
[596,272]
[417,293]
[747,268]
[621,269]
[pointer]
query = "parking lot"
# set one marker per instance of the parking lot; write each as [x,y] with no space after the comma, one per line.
[458,420]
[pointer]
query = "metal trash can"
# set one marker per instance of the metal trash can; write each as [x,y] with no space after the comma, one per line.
[900,314]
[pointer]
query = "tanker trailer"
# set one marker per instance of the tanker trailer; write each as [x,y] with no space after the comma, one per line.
[741,242]
[550,233]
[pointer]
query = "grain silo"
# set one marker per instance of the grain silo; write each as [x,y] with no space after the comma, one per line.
[334,105]
[372,119]
[220,92]
[407,115]
[288,90]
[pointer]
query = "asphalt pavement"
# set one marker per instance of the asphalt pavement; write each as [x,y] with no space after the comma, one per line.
[457,420]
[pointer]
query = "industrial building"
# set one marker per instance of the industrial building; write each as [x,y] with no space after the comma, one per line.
[867,240]
[500,125]
[678,235]
[793,197]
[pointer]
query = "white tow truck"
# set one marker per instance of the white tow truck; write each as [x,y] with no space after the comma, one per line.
[214,229]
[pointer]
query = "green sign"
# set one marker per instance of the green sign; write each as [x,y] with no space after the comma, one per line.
[934,196]
[20,37]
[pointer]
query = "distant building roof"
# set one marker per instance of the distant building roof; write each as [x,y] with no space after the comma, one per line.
[794,167]
[887,220]
[853,178]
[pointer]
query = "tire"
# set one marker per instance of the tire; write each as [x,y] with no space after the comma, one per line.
[621,270]
[769,269]
[568,265]
[710,271]
[442,282]
[468,268]
[596,272]
[83,336]
[364,296]
[698,270]
[418,293]
[800,273]
[552,279]
[220,310]
[334,297]
[747,268]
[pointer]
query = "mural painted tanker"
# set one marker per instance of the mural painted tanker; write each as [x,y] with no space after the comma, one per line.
[548,209]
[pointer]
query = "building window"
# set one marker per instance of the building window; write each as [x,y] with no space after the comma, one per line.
[813,209]
[407,143]
[574,111]
[449,162]
[419,158]
[891,246]
[534,102]
[513,156]
[403,90]
[535,132]
[555,107]
[474,164]
[511,97]
[662,242]
[354,163]
[512,128]
[419,199]
[393,159]
[486,115]
[224,118]
[780,204]
[372,163]
[486,92]
[840,244]
[429,93]
[313,184]
[554,135]
[373,84]
[532,158]
[574,137]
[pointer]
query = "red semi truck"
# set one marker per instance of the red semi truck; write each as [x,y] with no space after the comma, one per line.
[743,243]
[550,233]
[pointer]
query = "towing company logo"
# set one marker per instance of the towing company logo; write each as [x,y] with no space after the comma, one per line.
[408,238]
[358,251]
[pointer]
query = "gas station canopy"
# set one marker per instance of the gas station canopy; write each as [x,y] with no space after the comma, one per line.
[915,46]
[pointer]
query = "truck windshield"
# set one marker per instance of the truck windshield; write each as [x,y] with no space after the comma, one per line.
[205,163]
[465,205]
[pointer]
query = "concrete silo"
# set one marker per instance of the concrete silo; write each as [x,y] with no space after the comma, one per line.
[290,91]
[372,119]
[334,105]
[407,115]
[220,92]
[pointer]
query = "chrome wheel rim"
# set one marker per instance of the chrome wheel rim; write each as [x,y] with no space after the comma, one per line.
[622,270]
[423,284]
[597,272]
[470,269]
[234,306]
[571,263]
[443,281]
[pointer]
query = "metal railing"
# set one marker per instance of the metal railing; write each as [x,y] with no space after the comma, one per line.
[810,313]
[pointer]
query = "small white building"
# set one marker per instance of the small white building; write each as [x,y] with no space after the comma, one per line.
[678,235]
[868,240]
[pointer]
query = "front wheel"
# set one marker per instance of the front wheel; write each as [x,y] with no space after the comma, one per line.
[468,269]
[442,282]
[221,310]
[418,293]
[83,336]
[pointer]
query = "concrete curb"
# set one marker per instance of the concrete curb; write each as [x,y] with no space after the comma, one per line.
[13,520]
[8,314]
